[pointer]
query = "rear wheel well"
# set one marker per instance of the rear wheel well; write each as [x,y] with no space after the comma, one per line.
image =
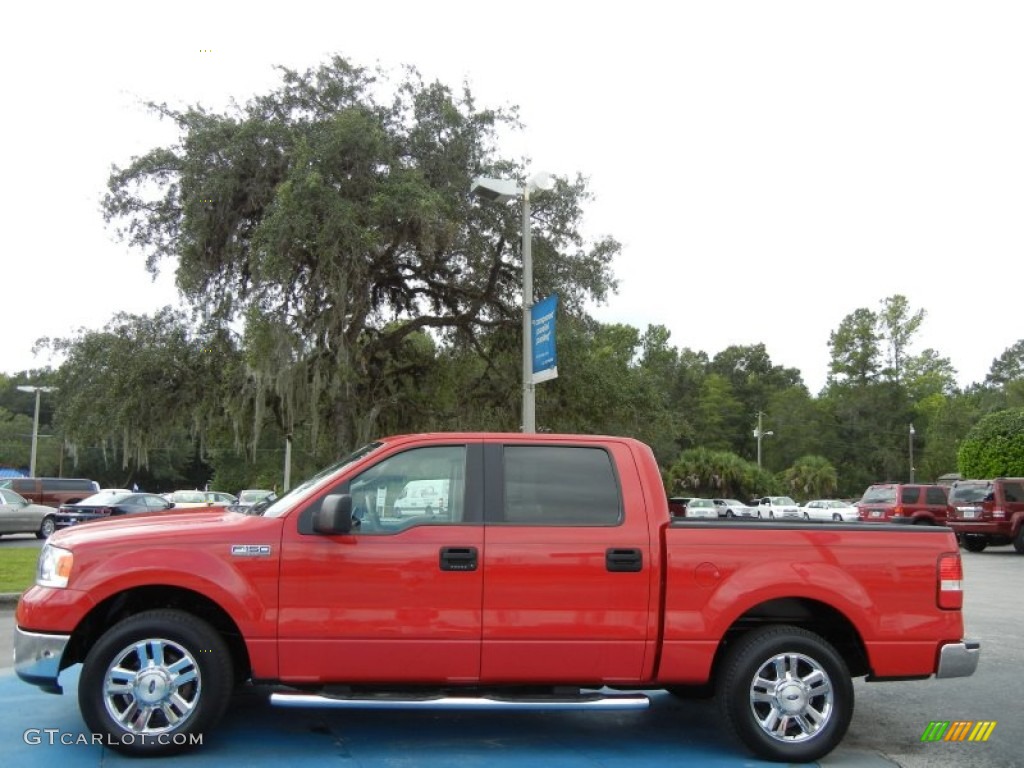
[130,602]
[817,617]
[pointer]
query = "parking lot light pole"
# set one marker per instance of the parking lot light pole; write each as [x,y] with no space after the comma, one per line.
[35,424]
[501,191]
[911,452]
[759,433]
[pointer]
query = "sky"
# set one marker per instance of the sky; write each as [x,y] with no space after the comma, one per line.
[769,167]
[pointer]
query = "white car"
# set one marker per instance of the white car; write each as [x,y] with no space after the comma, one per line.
[733,508]
[776,507]
[702,508]
[830,509]
[422,497]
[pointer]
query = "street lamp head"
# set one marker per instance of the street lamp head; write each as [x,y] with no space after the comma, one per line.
[540,180]
[31,389]
[495,190]
[912,432]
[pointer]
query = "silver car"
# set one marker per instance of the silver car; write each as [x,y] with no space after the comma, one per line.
[19,515]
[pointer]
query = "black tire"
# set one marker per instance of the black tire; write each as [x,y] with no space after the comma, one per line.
[923,521]
[807,515]
[730,513]
[149,650]
[46,528]
[836,517]
[771,514]
[1018,540]
[973,542]
[816,683]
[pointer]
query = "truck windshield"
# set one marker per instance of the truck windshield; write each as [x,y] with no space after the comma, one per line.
[289,500]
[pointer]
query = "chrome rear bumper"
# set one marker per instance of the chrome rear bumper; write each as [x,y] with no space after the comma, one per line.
[959,659]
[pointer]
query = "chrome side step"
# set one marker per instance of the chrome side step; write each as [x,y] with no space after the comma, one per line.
[611,702]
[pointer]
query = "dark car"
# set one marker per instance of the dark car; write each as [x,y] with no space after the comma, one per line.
[103,505]
[256,507]
[677,505]
[918,503]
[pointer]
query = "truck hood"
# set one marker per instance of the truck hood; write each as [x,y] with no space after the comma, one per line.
[155,525]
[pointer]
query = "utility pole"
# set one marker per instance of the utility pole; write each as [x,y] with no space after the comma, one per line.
[759,433]
[911,452]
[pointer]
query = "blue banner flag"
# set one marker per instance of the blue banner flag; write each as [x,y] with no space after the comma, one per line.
[545,357]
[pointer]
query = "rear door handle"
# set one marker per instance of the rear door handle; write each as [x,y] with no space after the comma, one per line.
[623,560]
[458,559]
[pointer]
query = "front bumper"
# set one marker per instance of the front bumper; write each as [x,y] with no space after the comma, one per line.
[37,658]
[959,659]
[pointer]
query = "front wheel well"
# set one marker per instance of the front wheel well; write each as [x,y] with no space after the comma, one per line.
[133,601]
[817,617]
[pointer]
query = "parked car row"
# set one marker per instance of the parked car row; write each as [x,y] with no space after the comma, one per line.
[768,507]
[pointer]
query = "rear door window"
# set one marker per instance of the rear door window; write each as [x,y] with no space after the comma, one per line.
[560,485]
[935,496]
[909,494]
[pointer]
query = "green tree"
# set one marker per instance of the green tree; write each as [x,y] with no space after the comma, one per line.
[928,374]
[335,224]
[994,447]
[1008,367]
[143,386]
[717,474]
[17,417]
[897,325]
[811,477]
[855,349]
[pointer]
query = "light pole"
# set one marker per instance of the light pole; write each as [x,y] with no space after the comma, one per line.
[35,424]
[759,433]
[911,452]
[501,191]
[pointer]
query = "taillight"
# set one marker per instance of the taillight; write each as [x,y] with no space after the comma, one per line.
[951,581]
[897,512]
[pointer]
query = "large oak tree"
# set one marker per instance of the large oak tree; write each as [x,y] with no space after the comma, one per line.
[331,220]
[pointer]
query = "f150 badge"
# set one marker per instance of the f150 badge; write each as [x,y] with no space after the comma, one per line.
[250,550]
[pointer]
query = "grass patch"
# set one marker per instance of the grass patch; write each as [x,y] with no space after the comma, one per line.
[17,568]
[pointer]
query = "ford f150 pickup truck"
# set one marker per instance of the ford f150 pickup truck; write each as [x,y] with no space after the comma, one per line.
[556,578]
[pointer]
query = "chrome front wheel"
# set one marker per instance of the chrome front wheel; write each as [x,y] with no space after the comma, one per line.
[152,686]
[154,681]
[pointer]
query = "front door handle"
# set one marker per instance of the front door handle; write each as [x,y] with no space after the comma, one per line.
[624,560]
[458,559]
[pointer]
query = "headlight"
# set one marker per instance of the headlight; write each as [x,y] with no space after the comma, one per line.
[54,567]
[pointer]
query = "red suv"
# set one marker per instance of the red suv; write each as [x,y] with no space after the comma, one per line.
[988,512]
[921,504]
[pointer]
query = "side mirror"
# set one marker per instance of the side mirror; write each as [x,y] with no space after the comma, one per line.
[334,515]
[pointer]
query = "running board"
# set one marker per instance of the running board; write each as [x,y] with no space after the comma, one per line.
[612,702]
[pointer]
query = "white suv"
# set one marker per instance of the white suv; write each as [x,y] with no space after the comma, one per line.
[774,507]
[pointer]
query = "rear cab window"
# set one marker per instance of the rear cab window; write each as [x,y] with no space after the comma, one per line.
[560,485]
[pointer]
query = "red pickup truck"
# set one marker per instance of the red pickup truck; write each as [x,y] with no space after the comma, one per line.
[552,576]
